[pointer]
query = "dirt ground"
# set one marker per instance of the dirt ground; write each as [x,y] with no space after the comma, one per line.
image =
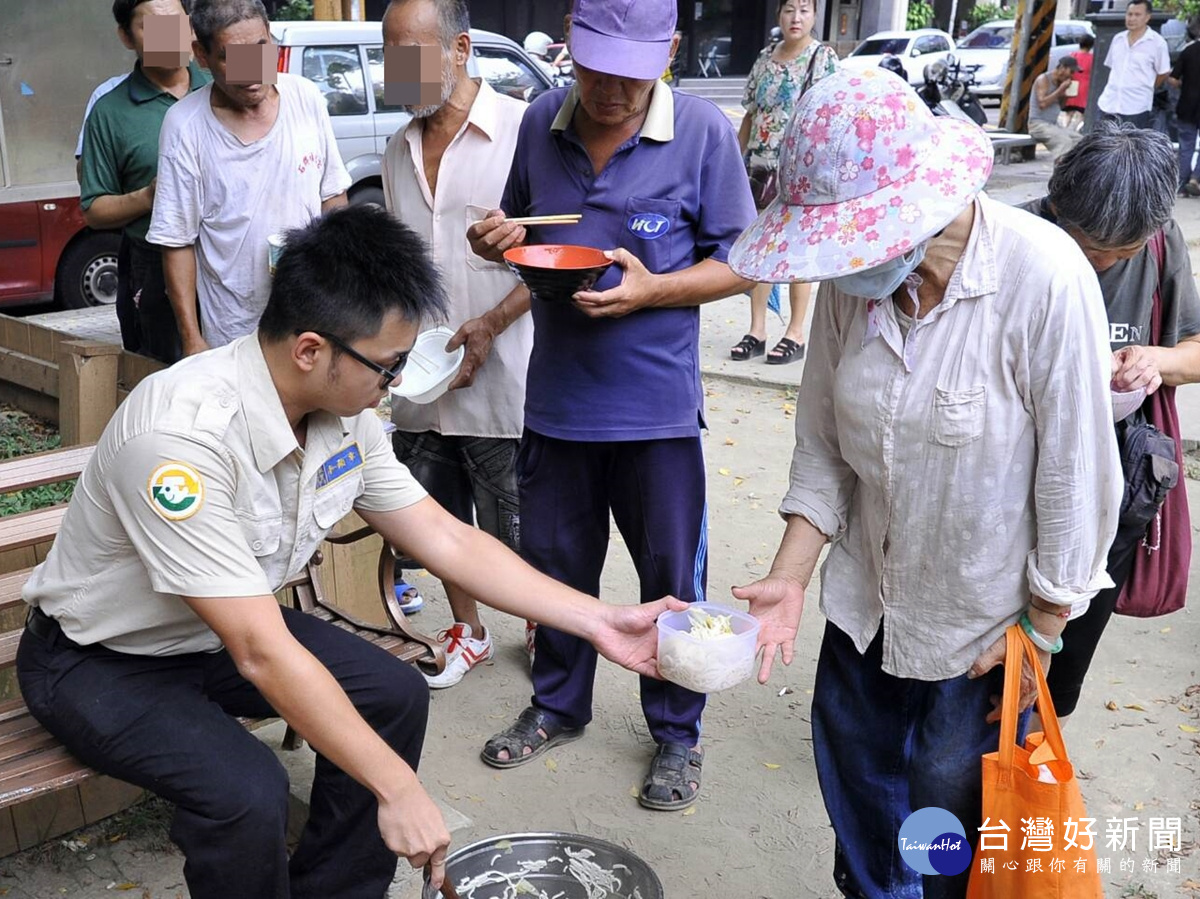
[759,830]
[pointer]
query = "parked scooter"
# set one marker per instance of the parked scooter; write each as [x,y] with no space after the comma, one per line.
[947,90]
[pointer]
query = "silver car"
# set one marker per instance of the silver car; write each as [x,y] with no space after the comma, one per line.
[988,47]
[345,60]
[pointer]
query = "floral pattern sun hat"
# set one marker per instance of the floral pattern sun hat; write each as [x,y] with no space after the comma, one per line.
[866,172]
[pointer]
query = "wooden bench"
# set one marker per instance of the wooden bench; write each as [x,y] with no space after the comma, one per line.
[32,762]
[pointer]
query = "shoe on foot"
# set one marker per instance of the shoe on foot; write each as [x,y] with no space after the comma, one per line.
[1192,188]
[463,652]
[409,598]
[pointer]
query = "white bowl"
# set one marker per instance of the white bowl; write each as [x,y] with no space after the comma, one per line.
[706,666]
[430,368]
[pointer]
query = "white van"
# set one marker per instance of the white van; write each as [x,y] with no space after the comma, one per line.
[345,60]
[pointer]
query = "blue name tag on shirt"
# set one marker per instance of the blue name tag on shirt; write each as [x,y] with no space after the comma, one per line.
[338,465]
[648,225]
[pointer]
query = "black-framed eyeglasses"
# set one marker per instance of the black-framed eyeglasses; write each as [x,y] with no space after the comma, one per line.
[387,374]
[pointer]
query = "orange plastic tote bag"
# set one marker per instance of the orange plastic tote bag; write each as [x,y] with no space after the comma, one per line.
[1035,841]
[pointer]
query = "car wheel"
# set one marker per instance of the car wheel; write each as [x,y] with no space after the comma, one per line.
[369,194]
[87,271]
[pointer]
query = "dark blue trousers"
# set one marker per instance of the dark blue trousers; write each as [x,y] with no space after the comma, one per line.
[166,723]
[655,491]
[886,746]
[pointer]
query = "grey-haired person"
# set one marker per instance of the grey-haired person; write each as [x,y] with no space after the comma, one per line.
[931,453]
[1112,193]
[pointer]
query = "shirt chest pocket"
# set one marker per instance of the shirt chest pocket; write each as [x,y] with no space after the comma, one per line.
[649,231]
[958,416]
[333,503]
[262,534]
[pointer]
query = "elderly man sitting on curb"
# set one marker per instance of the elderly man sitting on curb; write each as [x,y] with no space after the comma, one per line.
[1045,104]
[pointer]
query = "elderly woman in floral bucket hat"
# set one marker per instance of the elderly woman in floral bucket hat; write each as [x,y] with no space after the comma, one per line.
[952,444]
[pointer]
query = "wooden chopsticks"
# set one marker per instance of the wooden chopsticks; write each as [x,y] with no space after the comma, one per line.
[572,219]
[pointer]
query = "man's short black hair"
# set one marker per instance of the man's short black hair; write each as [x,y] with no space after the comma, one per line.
[123,12]
[1146,3]
[1070,63]
[1086,42]
[347,270]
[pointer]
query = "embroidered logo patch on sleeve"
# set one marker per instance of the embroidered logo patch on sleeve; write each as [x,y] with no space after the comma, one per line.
[338,465]
[176,491]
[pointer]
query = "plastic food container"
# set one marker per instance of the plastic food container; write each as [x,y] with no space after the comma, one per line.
[430,368]
[707,665]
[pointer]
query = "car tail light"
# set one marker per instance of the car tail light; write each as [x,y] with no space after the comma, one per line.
[285,58]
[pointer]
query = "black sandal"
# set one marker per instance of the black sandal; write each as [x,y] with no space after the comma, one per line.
[787,350]
[524,733]
[673,770]
[747,348]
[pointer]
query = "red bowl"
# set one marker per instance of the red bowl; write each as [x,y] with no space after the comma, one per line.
[556,272]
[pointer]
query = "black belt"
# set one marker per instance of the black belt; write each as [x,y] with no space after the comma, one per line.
[46,628]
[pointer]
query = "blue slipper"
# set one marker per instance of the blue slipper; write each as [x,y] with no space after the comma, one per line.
[409,598]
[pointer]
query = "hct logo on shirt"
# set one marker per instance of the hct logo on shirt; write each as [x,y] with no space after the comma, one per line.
[648,225]
[933,841]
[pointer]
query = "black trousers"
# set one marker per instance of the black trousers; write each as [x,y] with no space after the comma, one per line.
[1082,635]
[131,337]
[158,333]
[166,723]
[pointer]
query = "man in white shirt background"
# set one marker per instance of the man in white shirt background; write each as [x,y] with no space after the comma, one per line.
[1138,61]
[445,170]
[251,155]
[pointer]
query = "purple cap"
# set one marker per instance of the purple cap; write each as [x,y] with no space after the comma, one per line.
[626,38]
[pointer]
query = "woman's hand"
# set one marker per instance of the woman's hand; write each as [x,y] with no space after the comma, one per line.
[994,655]
[1136,366]
[777,602]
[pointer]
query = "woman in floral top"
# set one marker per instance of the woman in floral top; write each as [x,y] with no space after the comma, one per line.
[774,86]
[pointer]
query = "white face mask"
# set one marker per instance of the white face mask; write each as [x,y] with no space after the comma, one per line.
[882,280]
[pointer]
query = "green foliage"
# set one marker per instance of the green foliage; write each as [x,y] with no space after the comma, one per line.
[986,12]
[21,435]
[1182,9]
[294,11]
[920,14]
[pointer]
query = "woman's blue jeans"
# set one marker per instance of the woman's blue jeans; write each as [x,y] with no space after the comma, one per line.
[886,746]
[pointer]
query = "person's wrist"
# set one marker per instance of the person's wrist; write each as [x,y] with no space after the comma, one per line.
[1051,643]
[496,320]
[1046,623]
[1050,608]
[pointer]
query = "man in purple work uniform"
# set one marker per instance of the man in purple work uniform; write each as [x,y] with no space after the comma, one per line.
[614,407]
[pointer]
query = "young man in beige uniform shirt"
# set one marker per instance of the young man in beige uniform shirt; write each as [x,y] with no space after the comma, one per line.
[443,172]
[153,619]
